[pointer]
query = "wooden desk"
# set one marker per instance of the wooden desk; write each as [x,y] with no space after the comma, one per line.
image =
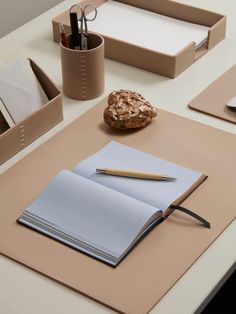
[24,291]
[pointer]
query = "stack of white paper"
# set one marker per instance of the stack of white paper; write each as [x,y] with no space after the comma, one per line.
[146,29]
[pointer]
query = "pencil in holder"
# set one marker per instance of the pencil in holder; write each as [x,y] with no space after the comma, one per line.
[83,70]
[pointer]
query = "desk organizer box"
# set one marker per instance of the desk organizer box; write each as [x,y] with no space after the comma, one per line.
[160,63]
[16,138]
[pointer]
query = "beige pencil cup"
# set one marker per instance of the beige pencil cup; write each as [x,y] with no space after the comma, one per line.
[83,70]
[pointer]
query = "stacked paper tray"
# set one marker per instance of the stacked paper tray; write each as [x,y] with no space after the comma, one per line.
[144,41]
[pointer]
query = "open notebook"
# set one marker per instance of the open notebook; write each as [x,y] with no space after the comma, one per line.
[104,216]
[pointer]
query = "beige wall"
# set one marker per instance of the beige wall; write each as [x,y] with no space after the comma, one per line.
[14,13]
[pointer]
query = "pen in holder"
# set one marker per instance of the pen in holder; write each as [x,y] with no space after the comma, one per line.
[83,70]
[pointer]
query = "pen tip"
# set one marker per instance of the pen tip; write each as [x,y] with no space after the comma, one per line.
[99,170]
[169,178]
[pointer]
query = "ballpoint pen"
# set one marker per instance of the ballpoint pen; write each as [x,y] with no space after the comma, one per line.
[63,36]
[135,174]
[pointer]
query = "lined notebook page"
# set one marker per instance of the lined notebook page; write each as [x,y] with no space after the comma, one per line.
[146,29]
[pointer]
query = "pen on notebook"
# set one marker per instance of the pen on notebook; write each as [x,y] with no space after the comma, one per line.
[63,36]
[135,174]
[75,36]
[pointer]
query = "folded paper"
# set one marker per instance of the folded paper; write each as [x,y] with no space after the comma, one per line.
[19,90]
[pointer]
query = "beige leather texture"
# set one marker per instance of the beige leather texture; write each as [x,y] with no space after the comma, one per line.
[160,63]
[213,99]
[167,252]
[83,70]
[22,134]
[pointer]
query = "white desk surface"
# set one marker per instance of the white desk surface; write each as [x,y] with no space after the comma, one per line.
[24,291]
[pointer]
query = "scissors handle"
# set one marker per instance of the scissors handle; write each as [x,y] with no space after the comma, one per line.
[82,18]
[87,9]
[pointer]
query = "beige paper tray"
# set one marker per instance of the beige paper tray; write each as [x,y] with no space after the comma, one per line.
[213,99]
[25,132]
[167,252]
[170,66]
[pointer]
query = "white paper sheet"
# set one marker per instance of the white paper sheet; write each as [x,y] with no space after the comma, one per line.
[6,114]
[160,194]
[20,91]
[90,212]
[146,29]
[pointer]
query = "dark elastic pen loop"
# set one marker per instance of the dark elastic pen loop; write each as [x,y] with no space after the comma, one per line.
[192,214]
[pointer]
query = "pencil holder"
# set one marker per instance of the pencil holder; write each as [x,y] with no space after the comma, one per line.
[83,70]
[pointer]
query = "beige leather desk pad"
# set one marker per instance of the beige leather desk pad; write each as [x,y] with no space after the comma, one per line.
[167,252]
[213,99]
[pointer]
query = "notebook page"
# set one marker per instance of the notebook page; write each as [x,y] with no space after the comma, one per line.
[90,212]
[160,194]
[146,29]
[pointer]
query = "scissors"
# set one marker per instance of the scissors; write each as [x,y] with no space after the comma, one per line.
[83,19]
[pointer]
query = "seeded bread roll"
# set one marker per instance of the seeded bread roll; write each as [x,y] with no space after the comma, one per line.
[128,110]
